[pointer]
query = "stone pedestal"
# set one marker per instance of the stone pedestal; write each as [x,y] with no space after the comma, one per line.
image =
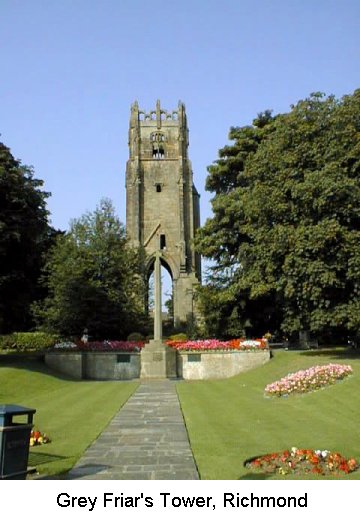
[157,361]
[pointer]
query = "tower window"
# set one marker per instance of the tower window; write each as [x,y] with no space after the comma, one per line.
[158,151]
[162,242]
[157,137]
[158,188]
[158,148]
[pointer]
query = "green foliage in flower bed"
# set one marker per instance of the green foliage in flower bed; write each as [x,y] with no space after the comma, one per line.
[27,341]
[181,336]
[135,336]
[229,421]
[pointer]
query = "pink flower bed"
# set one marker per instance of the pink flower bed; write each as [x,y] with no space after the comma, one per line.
[111,346]
[308,380]
[215,344]
[198,345]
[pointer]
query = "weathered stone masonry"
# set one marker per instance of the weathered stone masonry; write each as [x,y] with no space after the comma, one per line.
[162,203]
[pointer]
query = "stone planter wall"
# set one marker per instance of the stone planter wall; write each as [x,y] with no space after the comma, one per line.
[96,365]
[218,364]
[67,363]
[120,366]
[111,366]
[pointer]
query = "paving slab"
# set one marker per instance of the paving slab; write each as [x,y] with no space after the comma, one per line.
[146,440]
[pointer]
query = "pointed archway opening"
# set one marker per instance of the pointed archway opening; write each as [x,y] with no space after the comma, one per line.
[167,293]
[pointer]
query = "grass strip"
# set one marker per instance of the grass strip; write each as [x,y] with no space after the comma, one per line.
[230,421]
[72,413]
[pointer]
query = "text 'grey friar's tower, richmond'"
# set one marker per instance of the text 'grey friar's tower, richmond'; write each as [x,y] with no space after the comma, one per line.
[162,203]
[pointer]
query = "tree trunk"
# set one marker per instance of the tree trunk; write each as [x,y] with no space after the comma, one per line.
[304,339]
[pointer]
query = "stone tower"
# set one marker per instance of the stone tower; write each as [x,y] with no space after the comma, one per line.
[162,203]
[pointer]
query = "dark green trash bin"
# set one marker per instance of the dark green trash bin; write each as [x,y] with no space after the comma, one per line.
[15,432]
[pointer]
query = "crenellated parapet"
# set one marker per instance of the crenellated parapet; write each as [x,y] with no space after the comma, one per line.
[163,134]
[158,115]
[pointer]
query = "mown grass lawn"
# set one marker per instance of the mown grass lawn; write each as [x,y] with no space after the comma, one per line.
[71,413]
[230,421]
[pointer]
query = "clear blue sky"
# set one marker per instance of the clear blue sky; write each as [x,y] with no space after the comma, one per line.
[70,70]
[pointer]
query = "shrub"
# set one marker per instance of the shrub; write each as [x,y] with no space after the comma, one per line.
[135,336]
[27,341]
[178,337]
[7,342]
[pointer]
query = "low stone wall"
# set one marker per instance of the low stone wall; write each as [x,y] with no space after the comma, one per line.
[111,365]
[67,363]
[121,366]
[96,365]
[218,364]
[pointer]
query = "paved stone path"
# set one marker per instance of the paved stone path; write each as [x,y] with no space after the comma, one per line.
[146,440]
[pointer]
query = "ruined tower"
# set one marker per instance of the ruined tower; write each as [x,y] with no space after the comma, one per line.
[162,203]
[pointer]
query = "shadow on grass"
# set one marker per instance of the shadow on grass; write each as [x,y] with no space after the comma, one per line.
[255,476]
[33,364]
[36,459]
[86,470]
[336,353]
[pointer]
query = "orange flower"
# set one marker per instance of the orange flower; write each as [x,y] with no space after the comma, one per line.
[352,464]
[344,467]
[317,470]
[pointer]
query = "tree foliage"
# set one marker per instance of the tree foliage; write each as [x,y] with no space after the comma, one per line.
[287,214]
[25,235]
[95,281]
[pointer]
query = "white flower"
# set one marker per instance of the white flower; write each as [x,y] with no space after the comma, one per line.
[65,344]
[325,453]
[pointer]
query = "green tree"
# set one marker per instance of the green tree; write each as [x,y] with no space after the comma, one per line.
[296,217]
[25,235]
[228,311]
[94,279]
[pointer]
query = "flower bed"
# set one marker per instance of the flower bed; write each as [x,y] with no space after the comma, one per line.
[111,346]
[37,438]
[188,345]
[215,344]
[308,380]
[102,346]
[302,461]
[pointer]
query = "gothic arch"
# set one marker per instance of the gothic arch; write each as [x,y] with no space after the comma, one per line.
[166,261]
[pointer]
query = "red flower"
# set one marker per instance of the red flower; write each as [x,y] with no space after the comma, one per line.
[317,470]
[303,461]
